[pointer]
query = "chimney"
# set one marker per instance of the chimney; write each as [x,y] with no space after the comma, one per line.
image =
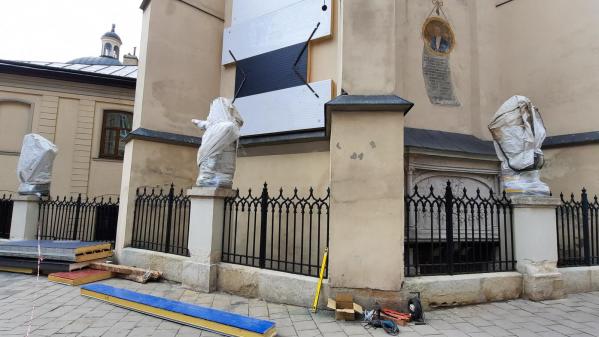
[130,59]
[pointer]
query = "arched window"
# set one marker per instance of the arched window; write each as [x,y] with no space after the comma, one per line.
[107,49]
[116,52]
[115,127]
[15,122]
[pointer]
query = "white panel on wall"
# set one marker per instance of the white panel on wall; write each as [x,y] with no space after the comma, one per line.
[244,10]
[278,29]
[290,109]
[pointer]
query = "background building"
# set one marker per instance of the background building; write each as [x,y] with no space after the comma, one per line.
[84,106]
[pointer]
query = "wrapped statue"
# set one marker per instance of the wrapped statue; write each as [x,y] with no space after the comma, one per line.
[34,169]
[518,133]
[218,152]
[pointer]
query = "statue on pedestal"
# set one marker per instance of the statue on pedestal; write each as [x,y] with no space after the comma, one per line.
[34,169]
[218,152]
[518,133]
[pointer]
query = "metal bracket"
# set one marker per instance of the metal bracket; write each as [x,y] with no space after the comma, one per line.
[237,66]
[297,73]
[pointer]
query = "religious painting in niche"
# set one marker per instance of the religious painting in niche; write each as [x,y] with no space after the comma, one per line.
[438,43]
[438,36]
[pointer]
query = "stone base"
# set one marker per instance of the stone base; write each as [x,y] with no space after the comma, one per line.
[580,279]
[541,287]
[199,276]
[542,280]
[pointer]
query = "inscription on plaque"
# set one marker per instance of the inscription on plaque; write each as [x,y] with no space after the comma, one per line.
[437,79]
[439,42]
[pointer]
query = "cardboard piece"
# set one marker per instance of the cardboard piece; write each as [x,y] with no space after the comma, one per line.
[344,306]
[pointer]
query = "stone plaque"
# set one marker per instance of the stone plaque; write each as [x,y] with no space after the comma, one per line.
[439,41]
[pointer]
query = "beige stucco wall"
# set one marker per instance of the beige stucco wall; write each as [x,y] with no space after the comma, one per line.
[70,115]
[179,65]
[569,169]
[499,53]
[287,171]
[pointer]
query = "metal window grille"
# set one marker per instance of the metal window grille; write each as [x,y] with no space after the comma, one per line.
[284,233]
[577,225]
[78,218]
[457,234]
[161,221]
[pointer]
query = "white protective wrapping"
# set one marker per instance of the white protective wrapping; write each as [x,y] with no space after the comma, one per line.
[518,133]
[218,152]
[34,169]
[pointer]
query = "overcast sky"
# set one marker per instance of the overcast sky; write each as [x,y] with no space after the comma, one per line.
[61,30]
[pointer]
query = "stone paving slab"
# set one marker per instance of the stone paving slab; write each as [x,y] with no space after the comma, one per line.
[61,311]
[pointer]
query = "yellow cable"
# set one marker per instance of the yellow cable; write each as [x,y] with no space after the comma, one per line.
[320,277]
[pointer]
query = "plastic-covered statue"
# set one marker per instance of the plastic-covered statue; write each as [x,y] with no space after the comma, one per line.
[34,168]
[518,133]
[218,152]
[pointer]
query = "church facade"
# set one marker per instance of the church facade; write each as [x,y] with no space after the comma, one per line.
[456,61]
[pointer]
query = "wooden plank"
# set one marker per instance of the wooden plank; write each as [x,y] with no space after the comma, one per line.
[210,319]
[79,277]
[130,273]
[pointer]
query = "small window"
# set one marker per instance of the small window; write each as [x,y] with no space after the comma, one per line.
[116,52]
[115,127]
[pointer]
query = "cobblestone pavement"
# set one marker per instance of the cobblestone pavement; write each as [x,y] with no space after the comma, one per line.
[61,311]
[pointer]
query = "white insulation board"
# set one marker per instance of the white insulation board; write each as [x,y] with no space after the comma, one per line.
[260,33]
[284,110]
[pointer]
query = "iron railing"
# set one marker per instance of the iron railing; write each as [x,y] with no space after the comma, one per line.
[457,234]
[281,233]
[6,205]
[161,221]
[578,231]
[78,218]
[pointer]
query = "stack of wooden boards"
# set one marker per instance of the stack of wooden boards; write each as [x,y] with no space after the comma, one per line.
[57,256]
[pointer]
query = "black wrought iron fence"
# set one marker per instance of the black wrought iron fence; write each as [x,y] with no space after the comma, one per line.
[284,233]
[161,221]
[457,234]
[6,205]
[79,218]
[578,231]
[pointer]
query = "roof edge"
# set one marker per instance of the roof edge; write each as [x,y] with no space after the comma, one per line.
[29,69]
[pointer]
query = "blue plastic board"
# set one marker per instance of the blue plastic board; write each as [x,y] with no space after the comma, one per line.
[218,316]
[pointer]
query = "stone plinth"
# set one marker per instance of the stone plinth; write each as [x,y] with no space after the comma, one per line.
[25,214]
[205,237]
[367,192]
[535,246]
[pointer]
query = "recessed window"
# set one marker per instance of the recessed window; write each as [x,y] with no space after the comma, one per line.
[115,127]
[15,122]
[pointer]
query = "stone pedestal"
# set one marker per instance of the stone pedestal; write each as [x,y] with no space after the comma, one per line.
[25,214]
[535,247]
[199,272]
[367,192]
